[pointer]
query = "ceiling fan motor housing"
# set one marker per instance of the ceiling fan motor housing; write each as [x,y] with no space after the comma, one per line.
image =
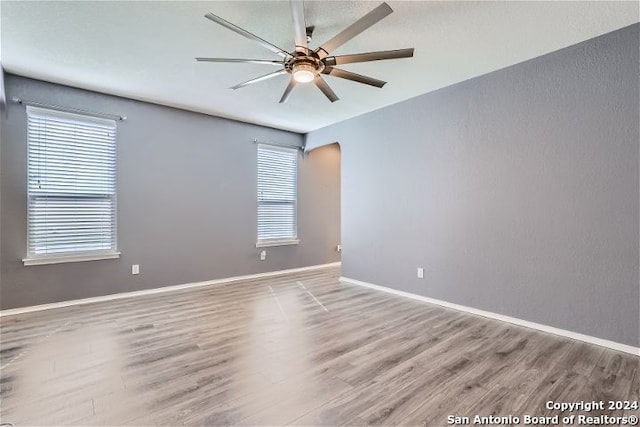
[304,64]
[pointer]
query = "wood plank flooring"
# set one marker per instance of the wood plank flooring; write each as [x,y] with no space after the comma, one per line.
[298,349]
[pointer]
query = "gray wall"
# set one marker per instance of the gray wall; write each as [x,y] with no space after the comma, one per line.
[186,201]
[320,172]
[517,191]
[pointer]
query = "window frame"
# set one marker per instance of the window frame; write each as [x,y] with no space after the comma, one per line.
[281,241]
[71,255]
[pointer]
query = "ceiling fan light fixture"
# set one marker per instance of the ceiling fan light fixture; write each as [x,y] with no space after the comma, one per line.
[304,73]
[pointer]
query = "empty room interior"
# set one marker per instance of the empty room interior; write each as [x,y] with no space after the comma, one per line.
[319,213]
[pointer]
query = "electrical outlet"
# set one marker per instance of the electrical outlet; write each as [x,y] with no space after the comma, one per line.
[420,273]
[135,269]
[339,248]
[263,255]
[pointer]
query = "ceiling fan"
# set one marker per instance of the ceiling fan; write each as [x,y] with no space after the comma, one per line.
[306,65]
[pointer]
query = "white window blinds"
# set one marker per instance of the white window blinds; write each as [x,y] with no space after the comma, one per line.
[71,184]
[277,193]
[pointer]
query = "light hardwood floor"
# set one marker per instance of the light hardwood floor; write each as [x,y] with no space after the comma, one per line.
[297,349]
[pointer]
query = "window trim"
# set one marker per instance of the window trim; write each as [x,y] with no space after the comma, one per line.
[79,255]
[273,242]
[59,259]
[266,243]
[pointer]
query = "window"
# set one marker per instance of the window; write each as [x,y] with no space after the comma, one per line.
[277,194]
[71,187]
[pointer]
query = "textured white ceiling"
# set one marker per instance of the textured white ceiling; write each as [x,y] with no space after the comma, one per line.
[145,50]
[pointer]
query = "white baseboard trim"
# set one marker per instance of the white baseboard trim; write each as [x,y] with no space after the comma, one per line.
[21,310]
[527,324]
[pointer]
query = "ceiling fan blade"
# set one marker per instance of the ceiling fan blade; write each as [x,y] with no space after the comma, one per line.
[354,29]
[247,34]
[287,91]
[242,61]
[336,72]
[259,79]
[299,27]
[324,87]
[369,56]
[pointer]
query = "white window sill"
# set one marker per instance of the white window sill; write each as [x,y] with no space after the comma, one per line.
[269,243]
[58,259]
